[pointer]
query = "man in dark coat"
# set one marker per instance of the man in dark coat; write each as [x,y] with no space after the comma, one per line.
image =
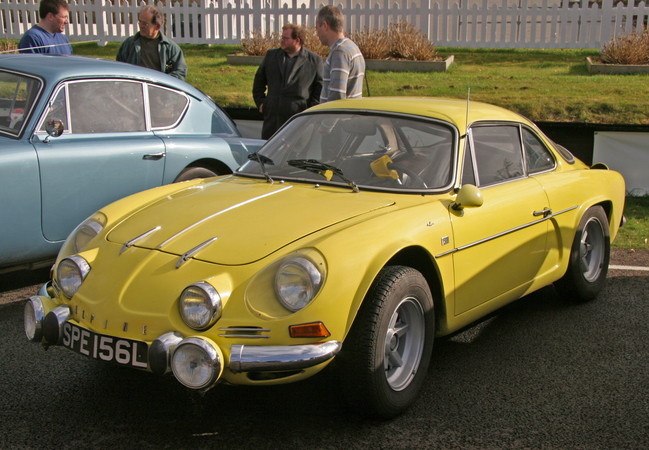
[293,76]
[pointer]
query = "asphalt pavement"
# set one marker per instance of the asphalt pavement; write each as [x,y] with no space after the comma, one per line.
[541,374]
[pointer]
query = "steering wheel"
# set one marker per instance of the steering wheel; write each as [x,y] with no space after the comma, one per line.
[411,174]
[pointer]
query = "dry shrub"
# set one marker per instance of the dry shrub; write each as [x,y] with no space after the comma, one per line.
[313,43]
[632,49]
[259,43]
[400,41]
[373,44]
[407,42]
[6,46]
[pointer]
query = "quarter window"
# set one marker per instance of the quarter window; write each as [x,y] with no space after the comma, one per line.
[166,107]
[537,156]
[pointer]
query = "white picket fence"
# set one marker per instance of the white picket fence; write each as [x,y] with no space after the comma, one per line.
[454,23]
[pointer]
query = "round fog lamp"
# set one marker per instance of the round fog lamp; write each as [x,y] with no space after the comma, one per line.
[70,274]
[196,363]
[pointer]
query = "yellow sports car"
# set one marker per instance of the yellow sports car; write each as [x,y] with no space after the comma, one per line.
[361,231]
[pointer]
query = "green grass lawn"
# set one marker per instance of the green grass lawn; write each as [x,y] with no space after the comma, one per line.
[543,85]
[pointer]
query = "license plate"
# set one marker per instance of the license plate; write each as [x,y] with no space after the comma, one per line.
[125,352]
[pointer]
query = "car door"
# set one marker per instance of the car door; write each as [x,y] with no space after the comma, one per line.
[107,151]
[501,245]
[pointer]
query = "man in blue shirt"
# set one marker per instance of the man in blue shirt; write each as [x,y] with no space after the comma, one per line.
[47,35]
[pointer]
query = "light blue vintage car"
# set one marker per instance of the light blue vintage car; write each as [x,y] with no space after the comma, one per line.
[78,133]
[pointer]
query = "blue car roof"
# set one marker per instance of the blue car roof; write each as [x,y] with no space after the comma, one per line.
[53,68]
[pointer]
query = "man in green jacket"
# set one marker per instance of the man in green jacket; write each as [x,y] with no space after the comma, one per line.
[150,48]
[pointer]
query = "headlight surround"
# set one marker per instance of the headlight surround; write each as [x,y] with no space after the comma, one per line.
[297,281]
[70,274]
[200,306]
[87,231]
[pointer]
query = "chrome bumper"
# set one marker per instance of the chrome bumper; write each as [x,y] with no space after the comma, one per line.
[257,358]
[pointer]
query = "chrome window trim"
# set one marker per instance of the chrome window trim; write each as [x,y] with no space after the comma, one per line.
[504,233]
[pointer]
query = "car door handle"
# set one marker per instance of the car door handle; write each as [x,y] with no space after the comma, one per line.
[155,156]
[545,213]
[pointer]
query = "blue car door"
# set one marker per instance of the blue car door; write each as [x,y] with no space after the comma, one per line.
[106,151]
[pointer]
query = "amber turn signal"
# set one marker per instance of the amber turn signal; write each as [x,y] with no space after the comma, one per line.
[307,330]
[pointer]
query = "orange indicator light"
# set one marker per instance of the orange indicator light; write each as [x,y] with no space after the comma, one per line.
[305,330]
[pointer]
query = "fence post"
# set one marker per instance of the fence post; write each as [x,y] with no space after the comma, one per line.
[607,19]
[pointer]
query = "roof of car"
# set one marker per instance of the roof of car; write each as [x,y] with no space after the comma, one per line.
[449,110]
[53,68]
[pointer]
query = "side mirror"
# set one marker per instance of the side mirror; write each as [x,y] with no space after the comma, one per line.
[54,128]
[469,195]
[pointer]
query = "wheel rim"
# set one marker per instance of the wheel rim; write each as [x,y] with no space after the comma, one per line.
[591,249]
[404,343]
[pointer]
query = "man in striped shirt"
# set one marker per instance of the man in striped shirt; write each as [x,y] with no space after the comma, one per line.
[345,66]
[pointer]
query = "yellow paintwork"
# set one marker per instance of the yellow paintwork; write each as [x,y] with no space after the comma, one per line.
[257,224]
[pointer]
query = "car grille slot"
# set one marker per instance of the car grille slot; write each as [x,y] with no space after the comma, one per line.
[245,332]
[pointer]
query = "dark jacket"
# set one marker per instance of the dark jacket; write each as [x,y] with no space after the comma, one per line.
[284,99]
[172,60]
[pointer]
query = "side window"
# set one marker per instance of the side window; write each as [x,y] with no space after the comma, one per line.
[498,153]
[537,156]
[166,106]
[57,110]
[106,106]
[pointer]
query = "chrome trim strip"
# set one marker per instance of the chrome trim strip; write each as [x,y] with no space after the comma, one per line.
[251,329]
[504,233]
[183,259]
[221,212]
[245,336]
[249,358]
[132,242]
[246,330]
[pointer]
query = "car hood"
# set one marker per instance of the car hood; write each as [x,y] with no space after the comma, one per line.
[249,219]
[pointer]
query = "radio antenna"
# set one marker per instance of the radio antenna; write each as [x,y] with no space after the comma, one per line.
[468,96]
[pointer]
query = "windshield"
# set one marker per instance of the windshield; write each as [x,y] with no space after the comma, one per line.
[362,151]
[17,97]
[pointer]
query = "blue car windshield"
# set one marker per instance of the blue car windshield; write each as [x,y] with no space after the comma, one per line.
[375,151]
[18,95]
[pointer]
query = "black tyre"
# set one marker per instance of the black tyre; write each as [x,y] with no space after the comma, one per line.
[191,173]
[589,258]
[385,357]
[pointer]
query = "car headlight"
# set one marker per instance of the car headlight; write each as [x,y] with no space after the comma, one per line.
[70,274]
[196,363]
[297,282]
[200,306]
[87,231]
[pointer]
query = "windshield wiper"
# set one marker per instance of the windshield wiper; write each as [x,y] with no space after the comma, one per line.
[262,160]
[315,166]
